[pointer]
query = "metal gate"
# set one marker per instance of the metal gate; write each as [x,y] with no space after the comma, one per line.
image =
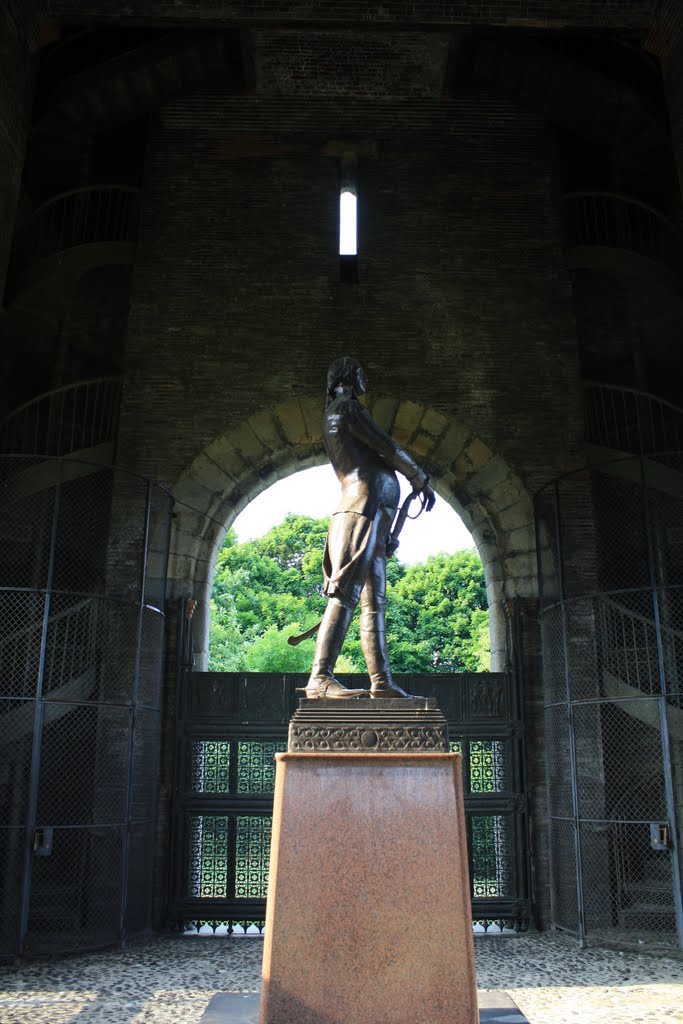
[610,543]
[231,725]
[82,581]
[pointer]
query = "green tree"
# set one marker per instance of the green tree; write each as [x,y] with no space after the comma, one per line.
[266,589]
[439,616]
[226,642]
[270,652]
[269,582]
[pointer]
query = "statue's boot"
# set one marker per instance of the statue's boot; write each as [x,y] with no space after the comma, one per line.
[322,682]
[373,638]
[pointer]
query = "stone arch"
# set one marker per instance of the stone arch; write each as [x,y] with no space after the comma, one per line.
[241,463]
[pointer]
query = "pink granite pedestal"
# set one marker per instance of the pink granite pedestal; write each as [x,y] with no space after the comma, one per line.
[368,918]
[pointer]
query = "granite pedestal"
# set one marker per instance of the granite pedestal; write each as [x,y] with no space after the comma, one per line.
[368,915]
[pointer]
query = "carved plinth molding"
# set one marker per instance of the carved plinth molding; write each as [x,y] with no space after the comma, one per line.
[368,726]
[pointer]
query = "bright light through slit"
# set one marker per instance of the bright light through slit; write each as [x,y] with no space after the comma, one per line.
[347,223]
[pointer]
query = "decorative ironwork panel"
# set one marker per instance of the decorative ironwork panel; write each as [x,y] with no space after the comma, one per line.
[252,855]
[223,818]
[264,698]
[211,696]
[492,856]
[450,697]
[228,857]
[210,766]
[208,857]
[490,767]
[487,698]
[256,765]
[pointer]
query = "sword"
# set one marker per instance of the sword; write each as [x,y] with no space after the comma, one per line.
[392,547]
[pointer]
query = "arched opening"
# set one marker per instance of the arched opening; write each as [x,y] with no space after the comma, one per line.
[268,586]
[236,467]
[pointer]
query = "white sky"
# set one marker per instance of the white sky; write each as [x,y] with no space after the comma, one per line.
[315,492]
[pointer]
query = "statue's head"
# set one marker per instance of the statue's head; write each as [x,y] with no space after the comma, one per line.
[345,372]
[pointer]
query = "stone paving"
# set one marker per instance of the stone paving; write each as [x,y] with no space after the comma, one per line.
[171,980]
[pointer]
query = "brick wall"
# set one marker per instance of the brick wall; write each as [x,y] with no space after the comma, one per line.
[606,329]
[93,330]
[336,63]
[612,13]
[463,302]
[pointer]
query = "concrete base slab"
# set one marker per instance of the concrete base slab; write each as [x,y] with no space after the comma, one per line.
[232,1008]
[495,1007]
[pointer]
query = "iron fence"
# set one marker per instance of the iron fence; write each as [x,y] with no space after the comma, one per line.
[231,725]
[82,564]
[610,546]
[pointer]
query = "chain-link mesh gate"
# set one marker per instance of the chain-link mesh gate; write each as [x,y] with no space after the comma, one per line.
[82,580]
[231,725]
[610,547]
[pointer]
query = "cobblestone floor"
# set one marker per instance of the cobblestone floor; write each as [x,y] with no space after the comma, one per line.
[171,980]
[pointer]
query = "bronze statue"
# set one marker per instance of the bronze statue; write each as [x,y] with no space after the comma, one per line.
[365,459]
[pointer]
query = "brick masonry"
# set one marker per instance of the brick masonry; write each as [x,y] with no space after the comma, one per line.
[536,13]
[463,277]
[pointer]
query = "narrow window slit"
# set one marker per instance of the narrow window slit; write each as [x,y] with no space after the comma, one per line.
[348,235]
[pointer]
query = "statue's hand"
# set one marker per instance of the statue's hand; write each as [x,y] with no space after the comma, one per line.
[421,486]
[428,497]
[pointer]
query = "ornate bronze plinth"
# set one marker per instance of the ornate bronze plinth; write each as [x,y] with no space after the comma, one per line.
[407,725]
